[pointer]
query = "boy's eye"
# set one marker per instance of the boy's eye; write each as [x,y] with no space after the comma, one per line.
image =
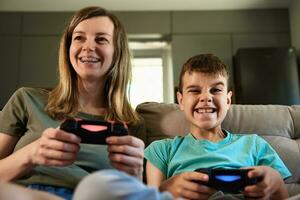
[193,91]
[215,90]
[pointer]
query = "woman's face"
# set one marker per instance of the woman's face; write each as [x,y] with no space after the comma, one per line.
[92,48]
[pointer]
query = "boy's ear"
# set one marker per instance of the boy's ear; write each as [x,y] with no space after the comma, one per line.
[229,95]
[179,99]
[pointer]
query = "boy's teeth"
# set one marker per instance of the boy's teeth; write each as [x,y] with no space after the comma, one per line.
[205,110]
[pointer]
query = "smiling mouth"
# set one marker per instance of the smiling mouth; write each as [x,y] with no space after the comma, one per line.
[206,110]
[89,59]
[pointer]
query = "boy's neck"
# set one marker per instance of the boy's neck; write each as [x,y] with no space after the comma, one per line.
[213,136]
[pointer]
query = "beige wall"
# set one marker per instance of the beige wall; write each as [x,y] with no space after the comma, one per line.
[295,24]
[30,40]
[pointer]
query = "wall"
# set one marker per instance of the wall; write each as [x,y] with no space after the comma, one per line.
[30,40]
[295,25]
[223,32]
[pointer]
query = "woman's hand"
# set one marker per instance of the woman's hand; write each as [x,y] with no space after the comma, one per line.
[185,185]
[126,153]
[54,148]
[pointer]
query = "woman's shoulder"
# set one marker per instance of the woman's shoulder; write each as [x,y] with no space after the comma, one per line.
[32,91]
[30,95]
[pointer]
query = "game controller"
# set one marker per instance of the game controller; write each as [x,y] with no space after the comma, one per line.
[93,132]
[228,180]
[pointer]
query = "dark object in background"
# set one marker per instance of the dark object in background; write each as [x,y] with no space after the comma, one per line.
[266,76]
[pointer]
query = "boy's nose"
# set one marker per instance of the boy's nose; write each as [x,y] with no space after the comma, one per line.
[205,98]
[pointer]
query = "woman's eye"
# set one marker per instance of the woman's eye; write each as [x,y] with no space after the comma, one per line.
[101,40]
[78,37]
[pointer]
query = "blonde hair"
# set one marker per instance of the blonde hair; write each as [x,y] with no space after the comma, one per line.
[63,100]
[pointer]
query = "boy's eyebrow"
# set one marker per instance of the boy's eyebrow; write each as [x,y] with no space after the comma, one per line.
[192,86]
[219,83]
[214,84]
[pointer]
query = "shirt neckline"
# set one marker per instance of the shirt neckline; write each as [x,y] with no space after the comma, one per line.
[221,142]
[89,116]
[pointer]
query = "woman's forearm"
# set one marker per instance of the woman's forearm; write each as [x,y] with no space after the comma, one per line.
[15,165]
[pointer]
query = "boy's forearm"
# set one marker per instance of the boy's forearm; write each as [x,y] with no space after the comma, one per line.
[163,186]
[281,193]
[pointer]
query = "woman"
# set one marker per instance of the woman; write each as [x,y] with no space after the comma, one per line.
[94,71]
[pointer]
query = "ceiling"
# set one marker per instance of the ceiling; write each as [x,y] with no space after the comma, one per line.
[140,5]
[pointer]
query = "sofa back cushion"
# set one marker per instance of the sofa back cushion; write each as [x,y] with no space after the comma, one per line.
[278,124]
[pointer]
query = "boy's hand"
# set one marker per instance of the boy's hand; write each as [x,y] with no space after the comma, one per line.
[185,185]
[270,187]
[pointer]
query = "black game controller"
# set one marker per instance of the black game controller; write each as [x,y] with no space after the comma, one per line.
[228,180]
[93,132]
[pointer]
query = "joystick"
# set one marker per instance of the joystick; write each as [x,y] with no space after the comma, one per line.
[93,132]
[228,180]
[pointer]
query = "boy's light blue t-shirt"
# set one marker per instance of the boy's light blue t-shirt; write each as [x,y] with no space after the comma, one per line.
[181,154]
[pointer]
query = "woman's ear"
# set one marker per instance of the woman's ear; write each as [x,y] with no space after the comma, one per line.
[180,99]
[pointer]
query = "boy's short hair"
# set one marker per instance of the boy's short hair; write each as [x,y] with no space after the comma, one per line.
[205,63]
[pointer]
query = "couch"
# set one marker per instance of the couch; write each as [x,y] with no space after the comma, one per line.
[278,124]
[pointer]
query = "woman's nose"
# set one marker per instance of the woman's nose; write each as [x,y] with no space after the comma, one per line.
[89,45]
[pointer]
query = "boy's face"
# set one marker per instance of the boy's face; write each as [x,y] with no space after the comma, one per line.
[204,100]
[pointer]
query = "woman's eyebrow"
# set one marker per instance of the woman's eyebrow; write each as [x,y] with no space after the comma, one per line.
[103,33]
[98,33]
[79,32]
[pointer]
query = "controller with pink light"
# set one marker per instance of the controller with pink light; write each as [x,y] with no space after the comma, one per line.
[228,180]
[92,131]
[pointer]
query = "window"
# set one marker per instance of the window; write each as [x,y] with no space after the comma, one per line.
[147,80]
[152,78]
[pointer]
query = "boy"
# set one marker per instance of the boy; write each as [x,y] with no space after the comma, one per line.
[204,99]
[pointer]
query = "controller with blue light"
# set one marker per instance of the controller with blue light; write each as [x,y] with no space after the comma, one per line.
[228,180]
[93,132]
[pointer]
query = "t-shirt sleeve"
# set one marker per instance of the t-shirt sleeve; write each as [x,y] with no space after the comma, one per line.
[13,117]
[158,154]
[268,156]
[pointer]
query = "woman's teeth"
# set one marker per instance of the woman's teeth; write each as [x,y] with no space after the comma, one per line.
[89,59]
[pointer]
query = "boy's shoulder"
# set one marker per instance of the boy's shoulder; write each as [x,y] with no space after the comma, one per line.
[168,142]
[248,137]
[245,135]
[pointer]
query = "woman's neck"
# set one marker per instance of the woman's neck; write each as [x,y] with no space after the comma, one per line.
[91,98]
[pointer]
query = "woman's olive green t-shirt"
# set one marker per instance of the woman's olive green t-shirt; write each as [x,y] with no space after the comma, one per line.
[24,117]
